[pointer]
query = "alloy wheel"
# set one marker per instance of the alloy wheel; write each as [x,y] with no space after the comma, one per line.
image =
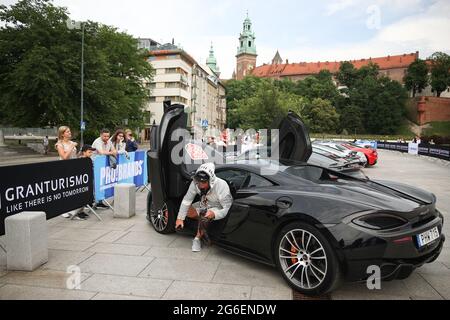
[159,218]
[303,259]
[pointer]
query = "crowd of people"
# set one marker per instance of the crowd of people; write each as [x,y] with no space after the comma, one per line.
[122,142]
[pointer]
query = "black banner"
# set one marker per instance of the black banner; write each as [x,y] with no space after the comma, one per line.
[52,187]
[428,150]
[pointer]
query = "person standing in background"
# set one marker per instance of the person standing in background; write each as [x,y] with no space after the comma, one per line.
[118,141]
[104,146]
[45,144]
[87,151]
[131,144]
[67,150]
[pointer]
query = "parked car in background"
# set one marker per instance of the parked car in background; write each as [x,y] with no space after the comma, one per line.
[349,153]
[371,154]
[318,158]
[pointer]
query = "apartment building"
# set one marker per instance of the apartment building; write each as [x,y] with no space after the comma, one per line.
[180,79]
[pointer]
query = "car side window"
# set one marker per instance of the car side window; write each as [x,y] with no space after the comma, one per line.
[237,177]
[256,181]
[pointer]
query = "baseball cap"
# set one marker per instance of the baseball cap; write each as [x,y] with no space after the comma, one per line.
[201,176]
[87,147]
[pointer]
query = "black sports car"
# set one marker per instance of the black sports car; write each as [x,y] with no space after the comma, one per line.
[316,225]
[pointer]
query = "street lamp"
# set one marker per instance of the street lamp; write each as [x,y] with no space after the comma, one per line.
[72,24]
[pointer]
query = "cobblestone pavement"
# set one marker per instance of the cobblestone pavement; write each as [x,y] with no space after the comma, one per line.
[127,259]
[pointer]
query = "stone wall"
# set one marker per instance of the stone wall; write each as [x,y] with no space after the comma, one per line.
[432,109]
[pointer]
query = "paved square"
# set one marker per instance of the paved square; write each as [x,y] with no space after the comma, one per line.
[127,259]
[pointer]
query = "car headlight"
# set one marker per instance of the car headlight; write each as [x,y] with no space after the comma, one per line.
[379,221]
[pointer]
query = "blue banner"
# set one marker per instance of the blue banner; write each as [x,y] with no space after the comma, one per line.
[364,143]
[132,170]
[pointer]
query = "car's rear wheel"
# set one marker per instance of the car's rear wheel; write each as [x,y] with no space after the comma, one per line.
[160,218]
[368,162]
[306,259]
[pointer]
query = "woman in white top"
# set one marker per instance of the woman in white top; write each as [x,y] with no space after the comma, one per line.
[67,150]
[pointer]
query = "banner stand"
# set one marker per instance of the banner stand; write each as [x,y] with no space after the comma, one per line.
[108,204]
[93,211]
[142,188]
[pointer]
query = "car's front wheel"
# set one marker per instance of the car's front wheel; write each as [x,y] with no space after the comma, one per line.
[160,218]
[306,259]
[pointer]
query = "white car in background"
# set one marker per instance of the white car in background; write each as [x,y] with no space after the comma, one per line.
[342,151]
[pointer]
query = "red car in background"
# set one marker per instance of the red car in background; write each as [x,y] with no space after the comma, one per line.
[371,154]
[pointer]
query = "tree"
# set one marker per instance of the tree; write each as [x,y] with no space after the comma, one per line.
[285,85]
[321,116]
[259,110]
[382,102]
[416,78]
[440,72]
[352,119]
[40,70]
[321,86]
[238,90]
[347,74]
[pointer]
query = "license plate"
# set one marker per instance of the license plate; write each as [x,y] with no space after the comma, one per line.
[427,237]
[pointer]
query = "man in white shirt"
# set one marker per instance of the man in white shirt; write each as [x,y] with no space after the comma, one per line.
[216,201]
[103,145]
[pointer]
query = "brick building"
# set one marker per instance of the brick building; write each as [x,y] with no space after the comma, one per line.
[392,66]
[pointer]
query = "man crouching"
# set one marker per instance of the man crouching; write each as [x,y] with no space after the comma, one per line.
[216,201]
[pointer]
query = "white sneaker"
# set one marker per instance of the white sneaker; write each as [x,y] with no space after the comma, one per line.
[66,215]
[196,245]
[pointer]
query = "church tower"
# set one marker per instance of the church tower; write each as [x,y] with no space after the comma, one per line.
[246,52]
[211,62]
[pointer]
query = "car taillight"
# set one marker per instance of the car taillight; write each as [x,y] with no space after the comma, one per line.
[379,221]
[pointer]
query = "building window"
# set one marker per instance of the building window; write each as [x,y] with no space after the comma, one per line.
[249,43]
[171,70]
[242,43]
[177,99]
[172,84]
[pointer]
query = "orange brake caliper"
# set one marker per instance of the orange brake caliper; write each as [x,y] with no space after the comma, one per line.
[294,252]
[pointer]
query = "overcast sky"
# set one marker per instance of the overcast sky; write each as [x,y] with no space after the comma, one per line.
[301,30]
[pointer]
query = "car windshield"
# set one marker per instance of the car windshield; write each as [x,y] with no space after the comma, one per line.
[329,149]
[355,145]
[305,172]
[339,147]
[322,160]
[323,152]
[254,154]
